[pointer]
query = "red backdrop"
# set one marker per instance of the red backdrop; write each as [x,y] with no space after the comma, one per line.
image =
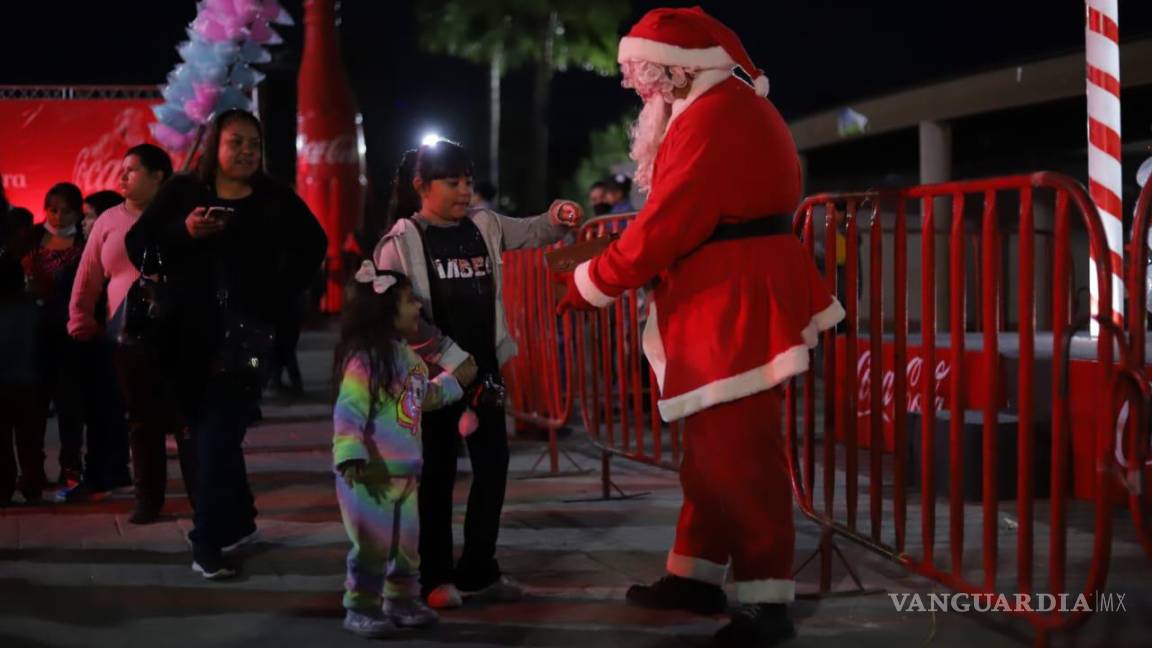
[82,141]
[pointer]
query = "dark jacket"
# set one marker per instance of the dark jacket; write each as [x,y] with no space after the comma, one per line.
[265,258]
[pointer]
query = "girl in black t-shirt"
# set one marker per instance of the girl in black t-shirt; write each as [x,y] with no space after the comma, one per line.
[451,251]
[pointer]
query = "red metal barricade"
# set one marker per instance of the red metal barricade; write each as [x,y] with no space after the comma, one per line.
[962,320]
[539,378]
[618,393]
[1132,397]
[969,389]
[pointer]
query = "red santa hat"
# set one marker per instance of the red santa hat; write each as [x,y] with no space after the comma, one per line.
[688,38]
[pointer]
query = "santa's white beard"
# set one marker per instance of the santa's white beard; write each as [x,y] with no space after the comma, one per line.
[647,133]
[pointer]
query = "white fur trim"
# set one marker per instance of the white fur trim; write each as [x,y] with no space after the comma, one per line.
[761,85]
[762,378]
[653,345]
[696,568]
[665,54]
[822,321]
[769,590]
[704,81]
[588,289]
[782,367]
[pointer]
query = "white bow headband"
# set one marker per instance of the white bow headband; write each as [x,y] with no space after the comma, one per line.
[380,283]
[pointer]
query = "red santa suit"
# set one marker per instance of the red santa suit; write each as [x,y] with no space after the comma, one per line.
[730,321]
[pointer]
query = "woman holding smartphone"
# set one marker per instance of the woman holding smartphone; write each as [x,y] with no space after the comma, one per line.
[237,247]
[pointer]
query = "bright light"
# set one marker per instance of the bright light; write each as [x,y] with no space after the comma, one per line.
[430,139]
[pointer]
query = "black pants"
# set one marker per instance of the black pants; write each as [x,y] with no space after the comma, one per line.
[106,458]
[152,416]
[284,358]
[225,507]
[488,449]
[20,425]
[63,371]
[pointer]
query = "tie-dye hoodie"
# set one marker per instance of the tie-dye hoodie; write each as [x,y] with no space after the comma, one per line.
[393,436]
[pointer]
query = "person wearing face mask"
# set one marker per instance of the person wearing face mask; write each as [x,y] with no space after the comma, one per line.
[96,204]
[451,253]
[50,266]
[144,385]
[237,247]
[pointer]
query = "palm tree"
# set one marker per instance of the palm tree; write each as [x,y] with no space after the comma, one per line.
[552,35]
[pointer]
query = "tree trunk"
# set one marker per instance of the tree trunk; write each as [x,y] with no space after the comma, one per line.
[537,192]
[494,69]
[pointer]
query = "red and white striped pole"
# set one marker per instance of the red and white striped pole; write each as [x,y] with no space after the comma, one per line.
[1102,36]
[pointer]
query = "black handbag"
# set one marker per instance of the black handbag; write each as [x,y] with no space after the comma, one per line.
[243,358]
[149,303]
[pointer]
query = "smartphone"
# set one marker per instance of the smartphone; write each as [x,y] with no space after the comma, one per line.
[222,214]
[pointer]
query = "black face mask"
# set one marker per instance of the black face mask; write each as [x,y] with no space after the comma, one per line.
[600,209]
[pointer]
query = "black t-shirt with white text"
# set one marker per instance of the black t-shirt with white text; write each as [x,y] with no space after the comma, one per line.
[463,289]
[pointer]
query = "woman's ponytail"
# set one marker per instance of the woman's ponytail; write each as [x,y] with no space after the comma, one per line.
[404,201]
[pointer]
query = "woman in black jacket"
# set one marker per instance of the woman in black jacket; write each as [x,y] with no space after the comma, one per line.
[237,248]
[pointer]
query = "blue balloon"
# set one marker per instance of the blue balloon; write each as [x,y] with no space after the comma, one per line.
[252,52]
[232,99]
[195,49]
[245,77]
[226,51]
[177,93]
[173,117]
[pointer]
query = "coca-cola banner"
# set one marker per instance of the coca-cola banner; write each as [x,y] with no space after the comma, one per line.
[73,140]
[916,374]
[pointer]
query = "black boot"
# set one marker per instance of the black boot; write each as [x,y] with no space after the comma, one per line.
[757,626]
[677,593]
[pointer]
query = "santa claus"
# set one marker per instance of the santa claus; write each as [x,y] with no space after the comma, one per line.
[737,306]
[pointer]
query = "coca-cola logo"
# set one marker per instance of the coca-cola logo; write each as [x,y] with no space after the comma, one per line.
[342,150]
[914,374]
[97,165]
[14,180]
[94,174]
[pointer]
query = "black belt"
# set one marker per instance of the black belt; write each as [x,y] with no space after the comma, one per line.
[772,225]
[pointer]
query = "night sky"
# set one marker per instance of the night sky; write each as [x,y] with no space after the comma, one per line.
[818,54]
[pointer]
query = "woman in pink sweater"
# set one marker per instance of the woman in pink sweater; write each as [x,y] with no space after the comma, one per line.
[138,366]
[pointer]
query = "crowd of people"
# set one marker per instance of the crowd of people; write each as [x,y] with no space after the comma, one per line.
[155,313]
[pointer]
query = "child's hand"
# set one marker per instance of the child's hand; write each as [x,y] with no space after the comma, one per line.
[352,471]
[566,213]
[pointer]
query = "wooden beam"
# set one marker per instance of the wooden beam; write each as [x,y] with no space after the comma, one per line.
[1013,87]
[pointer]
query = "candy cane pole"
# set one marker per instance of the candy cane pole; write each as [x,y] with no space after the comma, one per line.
[1104,171]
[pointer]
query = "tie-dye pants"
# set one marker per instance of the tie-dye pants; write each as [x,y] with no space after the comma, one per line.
[380,516]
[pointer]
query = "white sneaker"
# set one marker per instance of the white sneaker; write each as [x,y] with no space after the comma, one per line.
[214,568]
[409,613]
[504,590]
[445,597]
[248,539]
[368,625]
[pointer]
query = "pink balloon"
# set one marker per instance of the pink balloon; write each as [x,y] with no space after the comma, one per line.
[269,10]
[210,29]
[200,106]
[245,10]
[263,34]
[218,8]
[171,139]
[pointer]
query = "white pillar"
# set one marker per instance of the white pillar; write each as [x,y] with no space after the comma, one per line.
[1102,46]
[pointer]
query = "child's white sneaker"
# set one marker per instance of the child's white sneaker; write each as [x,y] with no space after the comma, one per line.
[370,625]
[409,613]
[504,590]
[445,597]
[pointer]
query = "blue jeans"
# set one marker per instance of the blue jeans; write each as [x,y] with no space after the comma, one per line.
[225,508]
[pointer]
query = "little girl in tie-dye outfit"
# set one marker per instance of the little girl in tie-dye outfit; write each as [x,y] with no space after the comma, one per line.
[376,451]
